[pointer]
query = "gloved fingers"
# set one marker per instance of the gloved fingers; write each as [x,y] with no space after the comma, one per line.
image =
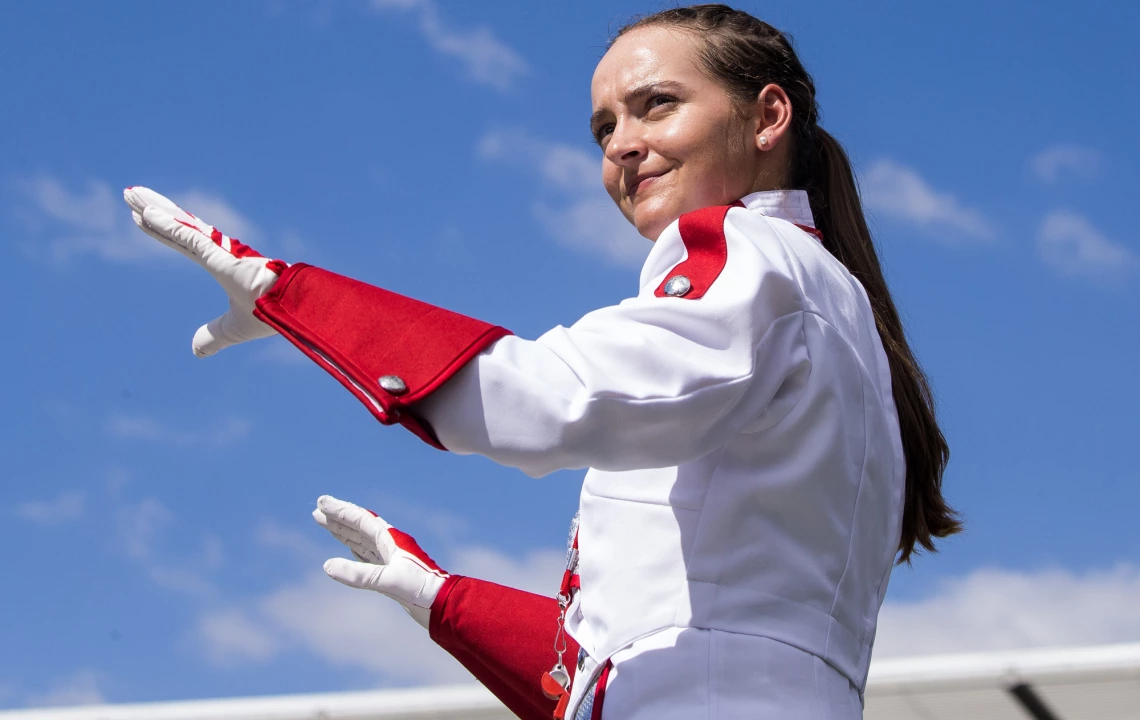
[191,240]
[143,226]
[321,518]
[363,553]
[348,534]
[361,547]
[355,574]
[139,198]
[361,558]
[349,537]
[368,524]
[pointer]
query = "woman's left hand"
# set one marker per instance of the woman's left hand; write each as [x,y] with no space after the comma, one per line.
[391,562]
[241,271]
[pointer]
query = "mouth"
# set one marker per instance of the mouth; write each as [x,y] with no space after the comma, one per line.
[642,182]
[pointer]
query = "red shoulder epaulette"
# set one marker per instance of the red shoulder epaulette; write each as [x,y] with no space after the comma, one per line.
[702,231]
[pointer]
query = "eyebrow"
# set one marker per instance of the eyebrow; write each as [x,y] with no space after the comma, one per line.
[634,95]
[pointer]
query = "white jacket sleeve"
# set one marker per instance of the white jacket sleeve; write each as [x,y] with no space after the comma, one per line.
[650,382]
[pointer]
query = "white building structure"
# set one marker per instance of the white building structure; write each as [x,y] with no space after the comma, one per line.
[1091,683]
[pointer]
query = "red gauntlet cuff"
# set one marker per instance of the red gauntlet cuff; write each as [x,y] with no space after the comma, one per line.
[504,637]
[386,349]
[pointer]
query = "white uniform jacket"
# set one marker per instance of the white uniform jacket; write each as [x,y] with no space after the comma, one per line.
[741,513]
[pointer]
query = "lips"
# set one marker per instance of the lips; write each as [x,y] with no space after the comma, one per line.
[641,180]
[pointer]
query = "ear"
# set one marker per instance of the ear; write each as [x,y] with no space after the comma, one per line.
[773,113]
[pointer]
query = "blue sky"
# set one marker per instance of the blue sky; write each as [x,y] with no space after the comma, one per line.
[155,525]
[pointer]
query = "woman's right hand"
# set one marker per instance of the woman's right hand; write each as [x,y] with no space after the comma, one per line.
[242,272]
[388,561]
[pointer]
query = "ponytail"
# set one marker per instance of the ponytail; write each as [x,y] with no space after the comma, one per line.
[838,214]
[745,55]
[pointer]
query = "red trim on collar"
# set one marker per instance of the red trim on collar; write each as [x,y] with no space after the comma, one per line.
[702,231]
[810,231]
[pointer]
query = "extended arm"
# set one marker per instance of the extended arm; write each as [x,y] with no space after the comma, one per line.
[654,381]
[657,380]
[504,637]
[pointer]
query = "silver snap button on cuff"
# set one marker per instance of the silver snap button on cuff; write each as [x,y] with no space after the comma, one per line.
[392,384]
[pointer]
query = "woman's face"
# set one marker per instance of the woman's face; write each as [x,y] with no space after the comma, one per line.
[673,139]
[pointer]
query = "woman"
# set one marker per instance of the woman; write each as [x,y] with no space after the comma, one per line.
[761,441]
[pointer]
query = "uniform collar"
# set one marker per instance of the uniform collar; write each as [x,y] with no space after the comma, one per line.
[790,205]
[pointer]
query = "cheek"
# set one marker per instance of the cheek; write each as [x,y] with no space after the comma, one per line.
[720,166]
[611,180]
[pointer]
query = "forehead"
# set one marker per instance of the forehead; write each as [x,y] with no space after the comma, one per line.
[643,56]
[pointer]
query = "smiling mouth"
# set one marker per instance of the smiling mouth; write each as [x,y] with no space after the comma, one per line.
[633,189]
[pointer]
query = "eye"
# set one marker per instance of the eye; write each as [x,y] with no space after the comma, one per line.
[660,101]
[603,132]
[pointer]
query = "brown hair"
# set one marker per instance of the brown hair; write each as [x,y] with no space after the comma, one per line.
[746,54]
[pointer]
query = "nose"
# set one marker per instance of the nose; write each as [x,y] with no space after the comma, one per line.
[627,145]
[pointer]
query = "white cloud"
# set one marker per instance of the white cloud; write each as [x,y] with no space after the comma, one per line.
[1070,243]
[140,525]
[487,60]
[302,547]
[143,427]
[140,529]
[169,576]
[361,629]
[581,215]
[229,637]
[1049,164]
[79,688]
[65,507]
[1005,610]
[358,629]
[539,571]
[276,350]
[94,220]
[900,192]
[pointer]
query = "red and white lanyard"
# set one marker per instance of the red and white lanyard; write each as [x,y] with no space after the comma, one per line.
[556,681]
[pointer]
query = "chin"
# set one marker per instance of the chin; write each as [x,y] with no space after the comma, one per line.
[652,220]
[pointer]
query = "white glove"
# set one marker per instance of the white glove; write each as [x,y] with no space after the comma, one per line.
[391,563]
[241,271]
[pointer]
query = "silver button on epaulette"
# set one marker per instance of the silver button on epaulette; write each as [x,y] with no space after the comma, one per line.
[677,286]
[392,384]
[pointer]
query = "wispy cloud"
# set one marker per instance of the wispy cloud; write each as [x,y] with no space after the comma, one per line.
[1069,242]
[90,220]
[357,629]
[276,350]
[576,211]
[487,60]
[1005,610]
[139,525]
[140,528]
[900,192]
[146,428]
[65,507]
[229,637]
[1053,162]
[70,222]
[79,688]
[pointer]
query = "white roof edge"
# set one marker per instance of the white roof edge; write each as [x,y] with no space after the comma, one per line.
[988,668]
[1005,666]
[373,703]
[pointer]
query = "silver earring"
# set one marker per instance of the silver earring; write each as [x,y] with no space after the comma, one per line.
[763,141]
